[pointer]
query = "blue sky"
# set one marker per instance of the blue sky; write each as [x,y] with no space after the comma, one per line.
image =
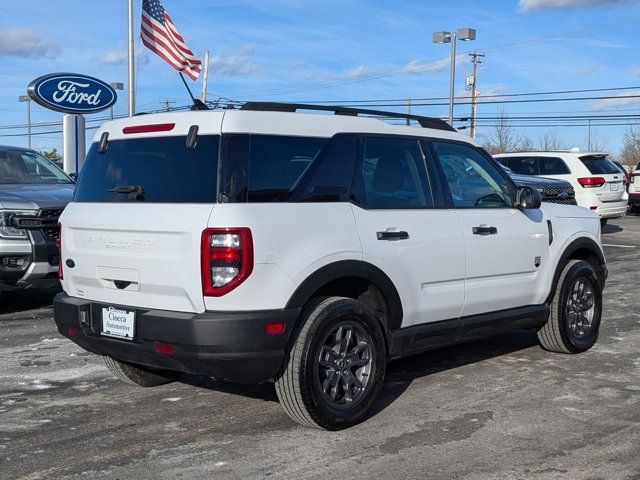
[286,50]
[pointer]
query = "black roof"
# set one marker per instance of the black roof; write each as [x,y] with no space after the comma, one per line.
[9,147]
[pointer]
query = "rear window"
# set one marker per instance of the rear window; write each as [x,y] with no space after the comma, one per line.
[523,165]
[599,164]
[159,170]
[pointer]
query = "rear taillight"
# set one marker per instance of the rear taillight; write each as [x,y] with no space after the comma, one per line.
[59,245]
[227,259]
[591,182]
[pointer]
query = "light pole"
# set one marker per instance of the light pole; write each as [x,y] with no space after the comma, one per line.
[465,35]
[25,98]
[116,86]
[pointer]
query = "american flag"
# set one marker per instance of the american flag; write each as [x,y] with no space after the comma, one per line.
[160,35]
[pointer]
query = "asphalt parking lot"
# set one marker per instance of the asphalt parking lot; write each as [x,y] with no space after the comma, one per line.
[492,409]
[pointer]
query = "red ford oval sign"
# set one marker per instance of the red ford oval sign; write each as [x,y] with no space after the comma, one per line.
[72,93]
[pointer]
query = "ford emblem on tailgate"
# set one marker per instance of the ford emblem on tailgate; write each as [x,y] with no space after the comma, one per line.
[72,93]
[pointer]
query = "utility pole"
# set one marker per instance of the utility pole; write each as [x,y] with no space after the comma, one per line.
[167,104]
[27,99]
[589,147]
[408,111]
[472,82]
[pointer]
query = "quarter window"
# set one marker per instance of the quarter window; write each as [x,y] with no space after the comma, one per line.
[392,174]
[473,180]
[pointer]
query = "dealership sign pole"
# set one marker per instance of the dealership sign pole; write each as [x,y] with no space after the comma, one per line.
[74,95]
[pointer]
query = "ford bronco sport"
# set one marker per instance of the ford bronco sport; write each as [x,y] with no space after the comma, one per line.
[308,249]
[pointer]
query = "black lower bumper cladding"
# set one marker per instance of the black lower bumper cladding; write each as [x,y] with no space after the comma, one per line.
[230,345]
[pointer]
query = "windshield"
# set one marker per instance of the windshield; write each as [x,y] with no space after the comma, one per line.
[157,169]
[25,167]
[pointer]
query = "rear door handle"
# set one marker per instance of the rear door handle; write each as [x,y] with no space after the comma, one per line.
[485,230]
[392,235]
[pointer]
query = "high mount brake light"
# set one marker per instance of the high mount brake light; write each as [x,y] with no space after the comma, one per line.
[227,259]
[591,182]
[155,127]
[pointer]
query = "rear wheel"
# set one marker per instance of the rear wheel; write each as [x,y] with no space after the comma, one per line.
[574,320]
[336,366]
[139,375]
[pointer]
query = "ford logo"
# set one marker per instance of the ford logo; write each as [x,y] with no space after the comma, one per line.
[72,93]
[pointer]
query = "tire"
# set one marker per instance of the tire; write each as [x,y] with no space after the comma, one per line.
[320,387]
[565,330]
[139,375]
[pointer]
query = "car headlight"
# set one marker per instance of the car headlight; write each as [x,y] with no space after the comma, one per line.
[7,230]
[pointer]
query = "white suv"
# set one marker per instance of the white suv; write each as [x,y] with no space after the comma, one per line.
[264,244]
[634,190]
[599,185]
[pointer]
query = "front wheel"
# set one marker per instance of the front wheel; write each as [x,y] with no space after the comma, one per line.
[336,366]
[574,321]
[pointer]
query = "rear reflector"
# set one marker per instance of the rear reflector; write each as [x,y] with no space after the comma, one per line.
[591,182]
[274,328]
[164,348]
[155,127]
[72,331]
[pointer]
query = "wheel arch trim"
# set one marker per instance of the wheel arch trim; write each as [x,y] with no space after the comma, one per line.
[351,268]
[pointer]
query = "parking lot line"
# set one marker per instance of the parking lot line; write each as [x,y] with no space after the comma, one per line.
[617,246]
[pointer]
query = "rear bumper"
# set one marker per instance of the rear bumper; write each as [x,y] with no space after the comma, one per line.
[634,198]
[612,209]
[230,345]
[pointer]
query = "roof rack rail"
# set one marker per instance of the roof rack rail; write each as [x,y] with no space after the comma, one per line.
[425,122]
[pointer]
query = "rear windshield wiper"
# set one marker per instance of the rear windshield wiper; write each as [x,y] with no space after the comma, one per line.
[135,192]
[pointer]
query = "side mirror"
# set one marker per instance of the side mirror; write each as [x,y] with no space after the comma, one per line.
[528,198]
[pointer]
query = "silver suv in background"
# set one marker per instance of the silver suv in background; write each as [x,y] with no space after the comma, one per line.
[33,193]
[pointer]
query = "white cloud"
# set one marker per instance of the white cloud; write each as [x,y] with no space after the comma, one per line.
[26,42]
[120,57]
[630,97]
[415,67]
[231,66]
[352,73]
[531,5]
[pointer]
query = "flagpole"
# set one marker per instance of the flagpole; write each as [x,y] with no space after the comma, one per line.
[205,77]
[132,79]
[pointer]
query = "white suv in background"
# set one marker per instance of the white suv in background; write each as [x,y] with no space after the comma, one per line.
[599,185]
[264,244]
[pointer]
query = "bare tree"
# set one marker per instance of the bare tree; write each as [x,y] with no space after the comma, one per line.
[504,138]
[596,142]
[630,153]
[550,142]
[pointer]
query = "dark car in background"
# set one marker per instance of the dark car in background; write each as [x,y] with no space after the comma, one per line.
[552,190]
[33,193]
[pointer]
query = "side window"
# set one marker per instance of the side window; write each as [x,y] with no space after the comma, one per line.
[473,180]
[552,166]
[392,174]
[329,177]
[524,165]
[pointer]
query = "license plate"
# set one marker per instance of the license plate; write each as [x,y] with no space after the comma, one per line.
[614,187]
[118,323]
